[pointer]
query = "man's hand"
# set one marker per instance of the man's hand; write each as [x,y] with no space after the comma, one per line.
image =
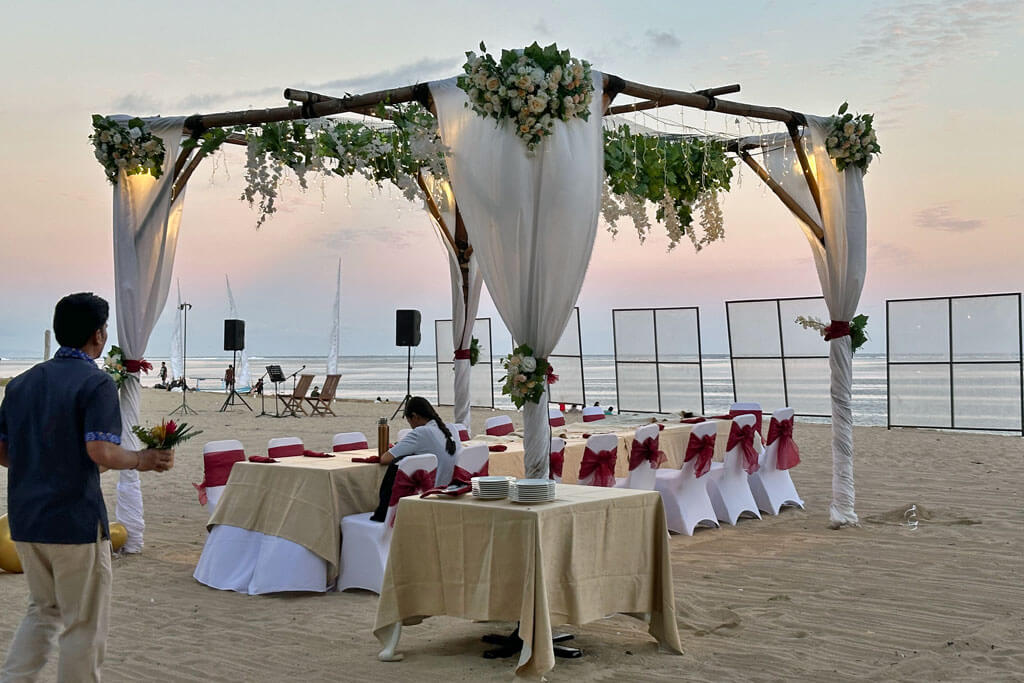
[151,459]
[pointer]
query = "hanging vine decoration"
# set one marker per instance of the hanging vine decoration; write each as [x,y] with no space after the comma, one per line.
[676,175]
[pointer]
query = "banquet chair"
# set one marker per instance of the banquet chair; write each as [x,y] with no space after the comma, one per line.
[458,431]
[555,417]
[255,563]
[593,413]
[499,425]
[750,408]
[292,402]
[321,405]
[556,459]
[365,543]
[771,484]
[218,459]
[728,488]
[598,465]
[684,492]
[471,461]
[284,447]
[641,474]
[349,441]
[402,434]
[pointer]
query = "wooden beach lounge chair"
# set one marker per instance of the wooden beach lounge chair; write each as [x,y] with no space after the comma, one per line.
[321,405]
[293,401]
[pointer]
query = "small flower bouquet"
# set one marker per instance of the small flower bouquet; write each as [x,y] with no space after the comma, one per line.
[474,351]
[858,328]
[532,88]
[526,377]
[113,365]
[128,147]
[851,140]
[165,435]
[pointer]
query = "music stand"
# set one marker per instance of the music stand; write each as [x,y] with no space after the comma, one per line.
[232,394]
[276,376]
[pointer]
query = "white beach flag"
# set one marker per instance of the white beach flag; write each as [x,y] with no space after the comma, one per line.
[177,342]
[242,378]
[332,356]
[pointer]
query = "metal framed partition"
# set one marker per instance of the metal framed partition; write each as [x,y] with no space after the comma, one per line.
[774,360]
[955,362]
[481,377]
[658,359]
[567,361]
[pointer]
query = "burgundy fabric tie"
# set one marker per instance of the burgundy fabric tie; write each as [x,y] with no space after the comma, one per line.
[462,354]
[501,430]
[744,438]
[464,476]
[601,464]
[138,365]
[216,469]
[556,421]
[788,454]
[646,450]
[463,435]
[756,413]
[557,461]
[703,449]
[838,328]
[593,418]
[409,484]
[288,451]
[355,446]
[317,454]
[497,448]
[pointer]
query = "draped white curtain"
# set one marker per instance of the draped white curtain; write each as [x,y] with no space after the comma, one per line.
[177,342]
[332,355]
[531,219]
[242,373]
[841,262]
[145,238]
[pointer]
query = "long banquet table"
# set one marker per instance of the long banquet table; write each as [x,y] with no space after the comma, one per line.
[591,552]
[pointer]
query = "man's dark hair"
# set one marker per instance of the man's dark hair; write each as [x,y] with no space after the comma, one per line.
[77,317]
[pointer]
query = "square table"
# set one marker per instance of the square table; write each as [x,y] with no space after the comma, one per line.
[589,553]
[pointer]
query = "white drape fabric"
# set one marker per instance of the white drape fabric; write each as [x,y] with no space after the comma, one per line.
[532,220]
[841,262]
[177,342]
[145,238]
[332,355]
[243,376]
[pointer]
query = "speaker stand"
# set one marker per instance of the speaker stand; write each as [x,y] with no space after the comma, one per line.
[230,400]
[408,382]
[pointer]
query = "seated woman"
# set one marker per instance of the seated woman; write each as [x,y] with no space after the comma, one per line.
[429,435]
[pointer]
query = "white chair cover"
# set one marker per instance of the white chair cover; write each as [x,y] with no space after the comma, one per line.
[641,478]
[728,487]
[598,443]
[772,487]
[557,446]
[593,413]
[685,496]
[346,441]
[498,425]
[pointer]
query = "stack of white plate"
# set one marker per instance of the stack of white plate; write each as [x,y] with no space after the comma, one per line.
[532,491]
[490,488]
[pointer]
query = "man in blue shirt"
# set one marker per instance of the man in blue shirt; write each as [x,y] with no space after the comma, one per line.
[60,424]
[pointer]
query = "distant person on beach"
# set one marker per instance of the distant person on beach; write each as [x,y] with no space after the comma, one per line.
[163,373]
[257,389]
[60,424]
[429,435]
[610,410]
[229,378]
[316,391]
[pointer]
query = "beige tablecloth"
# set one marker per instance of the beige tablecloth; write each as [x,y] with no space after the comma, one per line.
[301,499]
[672,439]
[592,552]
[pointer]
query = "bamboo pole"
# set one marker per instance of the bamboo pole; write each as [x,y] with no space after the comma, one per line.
[652,104]
[790,203]
[812,182]
[434,210]
[709,102]
[181,180]
[308,97]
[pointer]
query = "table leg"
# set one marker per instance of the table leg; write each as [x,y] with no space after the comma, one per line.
[388,654]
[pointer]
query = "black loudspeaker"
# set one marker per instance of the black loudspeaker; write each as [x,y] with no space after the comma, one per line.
[234,335]
[407,328]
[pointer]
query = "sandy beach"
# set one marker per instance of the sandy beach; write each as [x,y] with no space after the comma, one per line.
[781,598]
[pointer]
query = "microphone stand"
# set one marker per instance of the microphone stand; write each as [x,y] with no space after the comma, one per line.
[408,382]
[185,410]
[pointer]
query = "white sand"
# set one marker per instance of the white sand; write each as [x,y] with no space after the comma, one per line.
[782,598]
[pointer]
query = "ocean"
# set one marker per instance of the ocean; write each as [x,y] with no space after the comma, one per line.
[369,377]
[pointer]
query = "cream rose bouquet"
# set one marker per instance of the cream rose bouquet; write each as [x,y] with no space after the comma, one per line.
[127,146]
[526,376]
[851,140]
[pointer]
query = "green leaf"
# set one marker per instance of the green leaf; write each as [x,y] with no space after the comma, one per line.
[843,107]
[483,48]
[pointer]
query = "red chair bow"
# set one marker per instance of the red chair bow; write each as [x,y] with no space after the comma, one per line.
[557,421]
[557,461]
[409,484]
[138,365]
[788,455]
[288,451]
[744,438]
[601,464]
[216,469]
[464,476]
[748,411]
[356,446]
[838,328]
[646,450]
[703,449]
[500,430]
[463,435]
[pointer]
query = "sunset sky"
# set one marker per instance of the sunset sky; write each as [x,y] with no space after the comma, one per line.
[944,199]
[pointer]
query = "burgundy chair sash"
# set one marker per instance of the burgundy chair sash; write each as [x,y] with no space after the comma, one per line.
[557,461]
[593,418]
[407,485]
[757,417]
[788,455]
[288,451]
[355,446]
[601,464]
[463,435]
[501,430]
[141,365]
[460,474]
[703,449]
[744,438]
[556,421]
[216,469]
[646,450]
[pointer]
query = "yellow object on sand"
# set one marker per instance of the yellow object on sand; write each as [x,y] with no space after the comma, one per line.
[9,560]
[118,535]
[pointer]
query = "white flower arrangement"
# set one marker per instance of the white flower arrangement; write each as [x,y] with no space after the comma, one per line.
[851,140]
[526,376]
[128,147]
[113,365]
[532,88]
